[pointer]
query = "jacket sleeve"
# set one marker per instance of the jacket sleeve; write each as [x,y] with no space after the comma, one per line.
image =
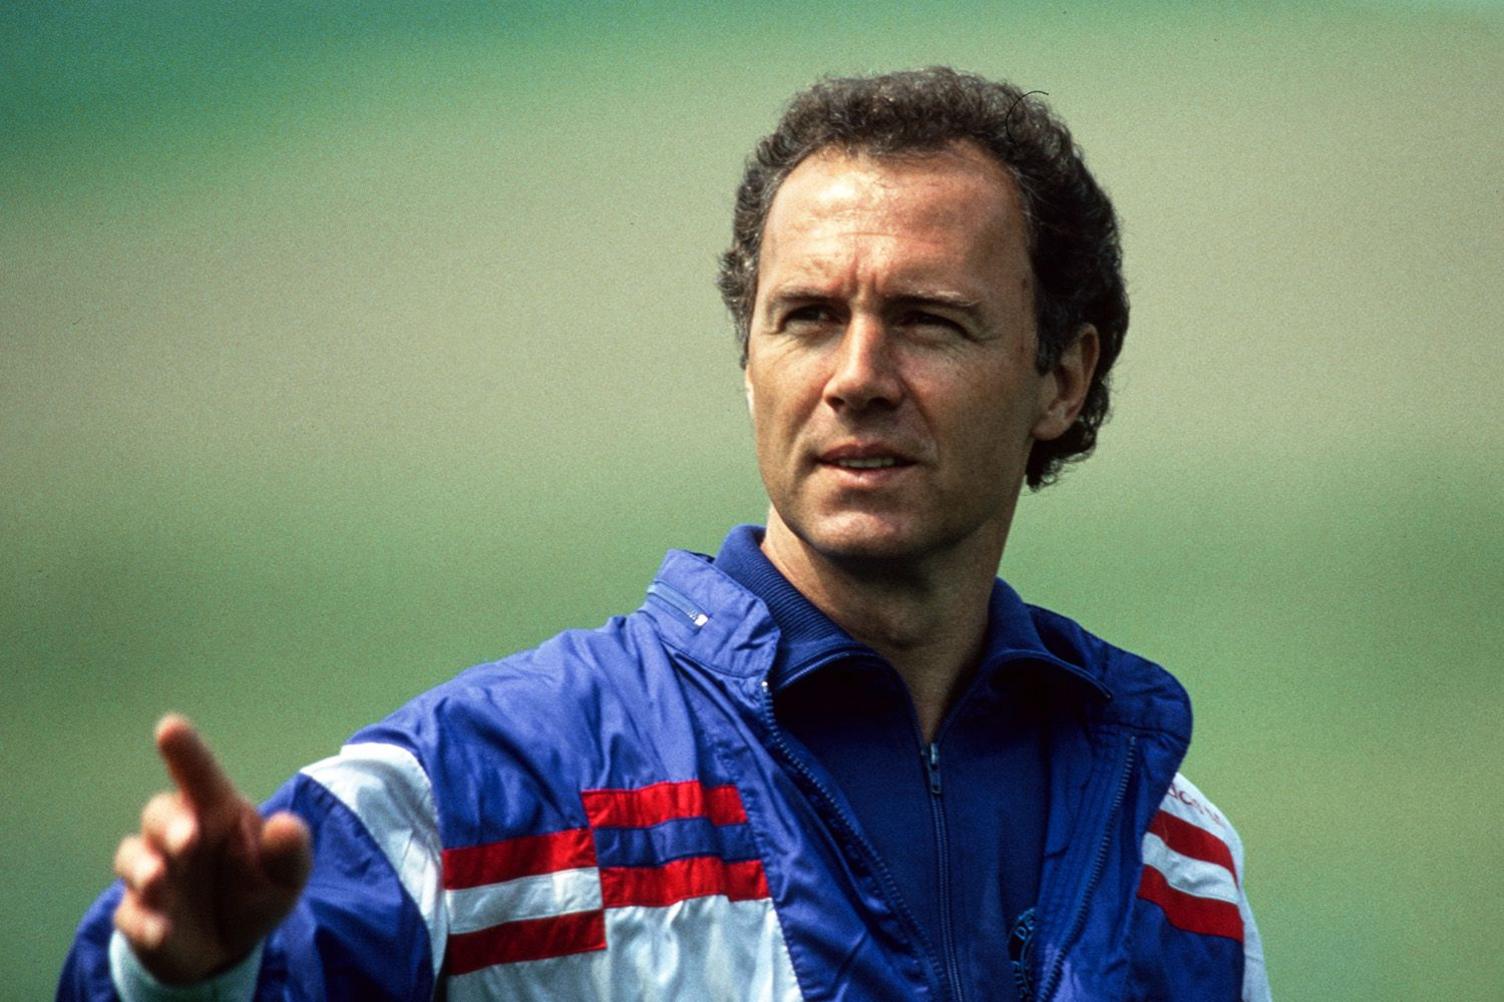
[1194,930]
[369,925]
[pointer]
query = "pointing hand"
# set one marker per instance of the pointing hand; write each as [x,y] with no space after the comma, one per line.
[206,878]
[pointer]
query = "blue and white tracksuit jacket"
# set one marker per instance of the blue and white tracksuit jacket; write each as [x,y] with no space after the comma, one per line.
[616,815]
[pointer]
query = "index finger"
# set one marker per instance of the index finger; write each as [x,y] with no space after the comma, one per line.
[191,764]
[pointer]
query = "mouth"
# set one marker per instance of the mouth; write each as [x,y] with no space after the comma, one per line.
[864,460]
[874,463]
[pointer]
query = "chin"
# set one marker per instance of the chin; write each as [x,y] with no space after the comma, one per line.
[866,537]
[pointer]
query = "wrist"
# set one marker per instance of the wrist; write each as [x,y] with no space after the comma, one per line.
[134,983]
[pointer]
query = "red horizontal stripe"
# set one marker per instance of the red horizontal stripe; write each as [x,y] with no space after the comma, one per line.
[695,877]
[1189,840]
[527,856]
[529,939]
[652,805]
[1206,916]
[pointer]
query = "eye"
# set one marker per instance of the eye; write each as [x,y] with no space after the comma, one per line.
[810,317]
[932,325]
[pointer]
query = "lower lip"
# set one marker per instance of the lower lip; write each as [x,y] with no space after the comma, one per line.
[869,476]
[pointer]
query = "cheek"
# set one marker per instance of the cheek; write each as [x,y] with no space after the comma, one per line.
[763,405]
[992,419]
[779,397]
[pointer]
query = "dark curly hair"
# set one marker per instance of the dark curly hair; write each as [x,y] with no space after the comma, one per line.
[1073,232]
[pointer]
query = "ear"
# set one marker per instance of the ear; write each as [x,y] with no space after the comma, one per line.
[1063,390]
[747,387]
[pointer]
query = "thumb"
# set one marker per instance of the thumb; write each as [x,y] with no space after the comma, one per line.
[286,852]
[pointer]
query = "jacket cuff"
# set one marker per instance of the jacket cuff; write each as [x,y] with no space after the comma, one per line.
[134,983]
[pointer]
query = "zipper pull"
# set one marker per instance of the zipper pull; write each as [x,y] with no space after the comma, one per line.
[679,603]
[932,764]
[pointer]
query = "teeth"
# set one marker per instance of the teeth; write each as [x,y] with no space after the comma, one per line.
[875,463]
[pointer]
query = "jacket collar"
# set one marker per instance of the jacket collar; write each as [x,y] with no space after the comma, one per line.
[807,638]
[738,616]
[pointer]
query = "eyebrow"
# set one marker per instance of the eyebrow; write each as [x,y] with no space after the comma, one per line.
[948,300]
[932,298]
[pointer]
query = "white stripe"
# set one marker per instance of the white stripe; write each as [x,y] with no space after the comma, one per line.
[703,948]
[1204,814]
[540,896]
[1187,874]
[1186,802]
[1255,976]
[386,788]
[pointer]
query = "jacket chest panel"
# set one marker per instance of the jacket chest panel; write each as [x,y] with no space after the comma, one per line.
[661,894]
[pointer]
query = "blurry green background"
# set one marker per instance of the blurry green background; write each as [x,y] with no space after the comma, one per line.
[343,347]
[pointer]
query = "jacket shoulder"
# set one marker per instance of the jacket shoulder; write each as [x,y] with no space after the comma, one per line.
[1144,695]
[532,692]
[1191,892]
[506,746]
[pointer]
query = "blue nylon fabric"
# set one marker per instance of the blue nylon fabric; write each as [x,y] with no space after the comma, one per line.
[1212,961]
[671,840]
[86,971]
[1157,960]
[523,736]
[354,919]
[854,715]
[844,941]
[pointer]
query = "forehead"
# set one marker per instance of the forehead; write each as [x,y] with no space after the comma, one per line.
[951,210]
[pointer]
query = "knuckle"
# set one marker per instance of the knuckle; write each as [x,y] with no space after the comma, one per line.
[169,824]
[148,872]
[143,928]
[128,913]
[156,811]
[126,854]
[182,833]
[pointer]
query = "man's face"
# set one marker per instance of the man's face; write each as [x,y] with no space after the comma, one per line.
[890,360]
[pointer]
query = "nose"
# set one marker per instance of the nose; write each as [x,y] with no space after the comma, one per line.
[865,372]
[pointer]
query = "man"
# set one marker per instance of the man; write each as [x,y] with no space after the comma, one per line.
[840,760]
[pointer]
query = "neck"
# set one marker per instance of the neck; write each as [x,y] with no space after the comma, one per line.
[926,616]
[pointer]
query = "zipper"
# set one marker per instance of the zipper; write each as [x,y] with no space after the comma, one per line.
[848,826]
[1092,876]
[942,863]
[679,602]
